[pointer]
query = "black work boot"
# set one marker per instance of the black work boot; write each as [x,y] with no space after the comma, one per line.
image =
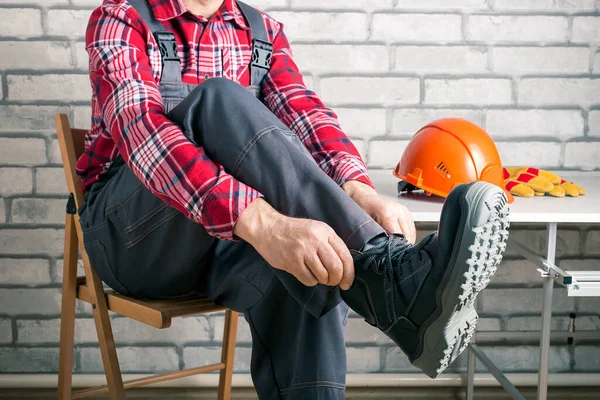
[422,296]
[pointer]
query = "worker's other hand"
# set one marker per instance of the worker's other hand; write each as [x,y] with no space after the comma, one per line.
[310,250]
[391,215]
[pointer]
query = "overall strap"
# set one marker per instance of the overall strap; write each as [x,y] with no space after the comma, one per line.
[171,69]
[262,49]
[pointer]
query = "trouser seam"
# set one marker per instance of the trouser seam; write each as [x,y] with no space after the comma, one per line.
[249,146]
[357,229]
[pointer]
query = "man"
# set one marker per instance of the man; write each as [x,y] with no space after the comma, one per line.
[193,185]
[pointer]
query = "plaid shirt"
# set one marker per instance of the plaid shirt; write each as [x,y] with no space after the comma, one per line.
[128,115]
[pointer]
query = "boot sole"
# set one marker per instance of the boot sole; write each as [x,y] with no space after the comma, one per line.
[480,249]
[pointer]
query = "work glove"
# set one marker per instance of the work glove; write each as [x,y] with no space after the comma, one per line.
[529,182]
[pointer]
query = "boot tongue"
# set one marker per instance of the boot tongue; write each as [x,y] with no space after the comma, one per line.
[376,241]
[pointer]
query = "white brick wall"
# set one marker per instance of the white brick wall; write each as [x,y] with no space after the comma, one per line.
[528,71]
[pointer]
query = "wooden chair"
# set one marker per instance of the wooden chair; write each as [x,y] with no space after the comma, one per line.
[89,289]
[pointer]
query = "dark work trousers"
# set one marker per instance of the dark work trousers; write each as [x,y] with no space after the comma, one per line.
[141,247]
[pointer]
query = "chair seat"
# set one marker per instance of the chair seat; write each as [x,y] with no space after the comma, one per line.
[157,313]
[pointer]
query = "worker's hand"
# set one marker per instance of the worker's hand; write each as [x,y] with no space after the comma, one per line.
[391,215]
[310,250]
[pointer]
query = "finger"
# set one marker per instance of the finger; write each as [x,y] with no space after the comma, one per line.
[343,253]
[408,227]
[392,225]
[305,276]
[313,262]
[333,263]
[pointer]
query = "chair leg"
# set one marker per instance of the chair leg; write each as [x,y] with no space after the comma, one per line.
[67,318]
[105,337]
[228,353]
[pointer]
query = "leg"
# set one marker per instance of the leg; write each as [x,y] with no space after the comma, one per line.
[227,354]
[67,315]
[259,150]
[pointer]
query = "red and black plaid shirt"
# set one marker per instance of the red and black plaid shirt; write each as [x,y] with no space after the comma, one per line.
[128,115]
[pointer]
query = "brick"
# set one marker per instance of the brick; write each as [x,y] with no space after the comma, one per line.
[534,323]
[596,67]
[82,117]
[594,122]
[358,331]
[516,272]
[50,181]
[511,28]
[592,243]
[88,3]
[586,29]
[323,26]
[526,358]
[426,59]
[508,301]
[54,156]
[24,271]
[539,60]
[386,154]
[585,155]
[569,91]
[133,360]
[545,5]
[35,55]
[29,301]
[437,5]
[568,242]
[22,151]
[587,323]
[38,211]
[261,4]
[198,356]
[15,181]
[363,359]
[48,331]
[539,154]
[416,28]
[489,324]
[41,3]
[243,332]
[28,118]
[396,361]
[587,358]
[71,23]
[363,122]
[407,121]
[564,124]
[2,212]
[49,87]
[341,58]
[58,270]
[588,264]
[5,330]
[82,59]
[35,360]
[590,305]
[468,91]
[361,147]
[21,22]
[392,91]
[343,4]
[182,330]
[31,241]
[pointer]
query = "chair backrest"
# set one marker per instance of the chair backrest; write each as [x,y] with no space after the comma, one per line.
[72,146]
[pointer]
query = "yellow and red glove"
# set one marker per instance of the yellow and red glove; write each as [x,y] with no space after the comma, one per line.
[529,182]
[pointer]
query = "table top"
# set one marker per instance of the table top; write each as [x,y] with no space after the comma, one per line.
[582,209]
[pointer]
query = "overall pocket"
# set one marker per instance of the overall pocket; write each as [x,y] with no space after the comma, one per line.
[100,262]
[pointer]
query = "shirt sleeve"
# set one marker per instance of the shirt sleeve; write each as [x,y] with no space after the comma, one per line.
[304,113]
[166,162]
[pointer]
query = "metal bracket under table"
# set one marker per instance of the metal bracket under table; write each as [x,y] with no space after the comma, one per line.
[577,283]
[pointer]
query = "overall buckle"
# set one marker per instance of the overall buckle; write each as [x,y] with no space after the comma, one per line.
[261,54]
[167,46]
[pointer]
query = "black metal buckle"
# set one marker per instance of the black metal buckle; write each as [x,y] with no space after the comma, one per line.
[261,54]
[167,46]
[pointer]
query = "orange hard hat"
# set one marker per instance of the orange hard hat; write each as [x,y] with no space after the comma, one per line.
[448,152]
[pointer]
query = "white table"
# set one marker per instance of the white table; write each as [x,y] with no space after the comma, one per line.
[540,210]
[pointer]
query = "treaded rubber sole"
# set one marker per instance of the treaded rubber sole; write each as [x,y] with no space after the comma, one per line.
[481,246]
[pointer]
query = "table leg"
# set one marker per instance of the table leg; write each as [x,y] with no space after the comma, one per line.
[547,314]
[470,374]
